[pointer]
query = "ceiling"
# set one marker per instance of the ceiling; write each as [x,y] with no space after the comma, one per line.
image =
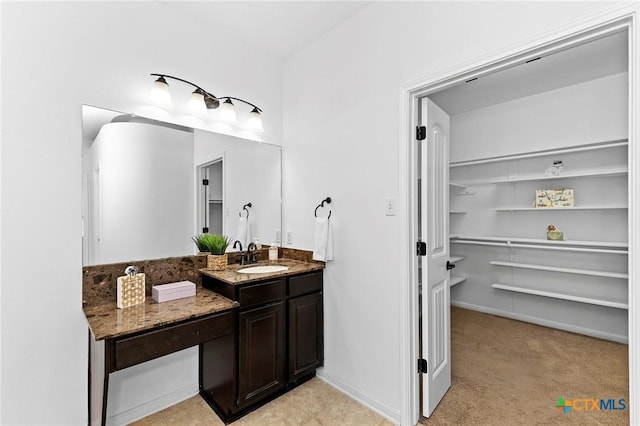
[280,28]
[595,59]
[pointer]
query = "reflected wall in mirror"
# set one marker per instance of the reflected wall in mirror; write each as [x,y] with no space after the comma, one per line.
[143,192]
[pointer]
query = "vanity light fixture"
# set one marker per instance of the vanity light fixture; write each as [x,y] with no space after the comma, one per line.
[201,101]
[228,111]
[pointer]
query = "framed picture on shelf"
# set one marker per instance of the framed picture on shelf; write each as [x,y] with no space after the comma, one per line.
[549,198]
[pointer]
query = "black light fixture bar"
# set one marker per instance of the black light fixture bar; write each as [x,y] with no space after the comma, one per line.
[212,101]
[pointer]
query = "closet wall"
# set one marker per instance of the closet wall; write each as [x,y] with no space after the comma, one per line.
[504,264]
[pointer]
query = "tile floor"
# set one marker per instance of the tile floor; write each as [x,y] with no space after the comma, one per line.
[313,403]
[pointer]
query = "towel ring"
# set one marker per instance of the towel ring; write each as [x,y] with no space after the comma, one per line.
[326,200]
[245,209]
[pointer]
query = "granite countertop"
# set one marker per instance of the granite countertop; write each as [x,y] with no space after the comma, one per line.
[231,276]
[107,321]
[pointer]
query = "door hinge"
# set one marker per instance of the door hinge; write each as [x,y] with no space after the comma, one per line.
[421,133]
[205,230]
[422,365]
[450,265]
[205,182]
[421,248]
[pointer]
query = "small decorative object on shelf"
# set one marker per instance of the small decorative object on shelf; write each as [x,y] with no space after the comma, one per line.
[554,197]
[555,234]
[555,169]
[131,288]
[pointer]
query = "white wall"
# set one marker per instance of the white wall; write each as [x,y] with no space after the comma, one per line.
[341,118]
[56,57]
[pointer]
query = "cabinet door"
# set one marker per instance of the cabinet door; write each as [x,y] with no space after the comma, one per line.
[306,335]
[262,353]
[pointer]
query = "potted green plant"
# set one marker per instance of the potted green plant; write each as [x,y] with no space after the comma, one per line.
[216,246]
[200,241]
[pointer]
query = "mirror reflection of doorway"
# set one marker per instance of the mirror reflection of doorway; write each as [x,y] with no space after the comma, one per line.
[211,196]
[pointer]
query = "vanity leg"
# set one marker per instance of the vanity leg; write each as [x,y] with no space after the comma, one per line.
[98,382]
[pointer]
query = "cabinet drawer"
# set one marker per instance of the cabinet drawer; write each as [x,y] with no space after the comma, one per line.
[303,284]
[157,343]
[264,292]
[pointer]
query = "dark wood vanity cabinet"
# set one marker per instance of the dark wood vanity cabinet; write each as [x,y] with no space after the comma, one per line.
[261,352]
[305,329]
[305,325]
[279,343]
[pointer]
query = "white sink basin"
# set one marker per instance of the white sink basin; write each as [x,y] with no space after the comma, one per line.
[264,269]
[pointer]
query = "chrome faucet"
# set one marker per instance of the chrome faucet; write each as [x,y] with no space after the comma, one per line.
[250,255]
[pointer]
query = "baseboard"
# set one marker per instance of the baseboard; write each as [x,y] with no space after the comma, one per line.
[153,406]
[539,321]
[391,415]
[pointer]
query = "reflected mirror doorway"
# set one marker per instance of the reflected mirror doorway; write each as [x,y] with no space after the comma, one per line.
[211,197]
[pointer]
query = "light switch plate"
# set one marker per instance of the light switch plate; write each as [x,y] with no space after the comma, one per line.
[390,206]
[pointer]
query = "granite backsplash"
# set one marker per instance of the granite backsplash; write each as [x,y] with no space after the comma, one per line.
[99,282]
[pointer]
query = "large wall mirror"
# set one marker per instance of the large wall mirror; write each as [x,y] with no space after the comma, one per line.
[149,187]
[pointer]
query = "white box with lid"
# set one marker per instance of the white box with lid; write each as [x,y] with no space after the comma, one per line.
[172,291]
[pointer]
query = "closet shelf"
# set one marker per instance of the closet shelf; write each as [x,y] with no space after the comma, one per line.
[561,269]
[512,241]
[464,189]
[547,209]
[456,279]
[215,201]
[599,173]
[543,153]
[455,259]
[457,212]
[601,301]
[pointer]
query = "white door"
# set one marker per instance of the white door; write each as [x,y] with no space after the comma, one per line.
[434,231]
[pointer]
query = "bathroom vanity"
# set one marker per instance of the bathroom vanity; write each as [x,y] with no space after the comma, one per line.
[259,334]
[280,336]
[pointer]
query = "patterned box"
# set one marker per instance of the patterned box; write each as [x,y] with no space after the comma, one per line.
[131,290]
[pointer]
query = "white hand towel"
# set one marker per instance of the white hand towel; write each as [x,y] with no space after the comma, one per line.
[322,240]
[244,232]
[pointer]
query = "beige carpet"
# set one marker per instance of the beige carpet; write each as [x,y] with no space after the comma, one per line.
[508,372]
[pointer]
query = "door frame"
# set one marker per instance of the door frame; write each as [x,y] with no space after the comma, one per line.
[615,18]
[200,168]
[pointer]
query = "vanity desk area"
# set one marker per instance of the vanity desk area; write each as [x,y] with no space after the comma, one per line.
[258,335]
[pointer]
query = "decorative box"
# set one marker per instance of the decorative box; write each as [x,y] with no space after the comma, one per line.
[555,235]
[130,290]
[554,197]
[172,291]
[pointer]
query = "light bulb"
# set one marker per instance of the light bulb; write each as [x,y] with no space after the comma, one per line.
[196,103]
[254,122]
[159,94]
[227,111]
